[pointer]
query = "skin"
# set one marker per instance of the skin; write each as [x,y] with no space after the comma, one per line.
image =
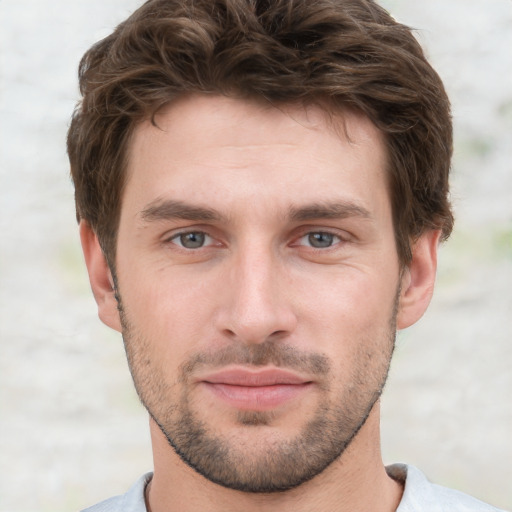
[298,255]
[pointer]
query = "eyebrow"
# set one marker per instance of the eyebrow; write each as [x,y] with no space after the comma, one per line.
[336,210]
[171,209]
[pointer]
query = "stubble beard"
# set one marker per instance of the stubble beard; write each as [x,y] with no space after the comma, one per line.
[280,464]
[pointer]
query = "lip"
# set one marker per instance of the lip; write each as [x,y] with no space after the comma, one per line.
[254,378]
[258,390]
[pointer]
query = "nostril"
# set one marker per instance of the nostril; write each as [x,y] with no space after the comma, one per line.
[278,334]
[251,337]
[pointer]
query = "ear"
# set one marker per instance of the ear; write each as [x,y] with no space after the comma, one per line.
[418,279]
[100,277]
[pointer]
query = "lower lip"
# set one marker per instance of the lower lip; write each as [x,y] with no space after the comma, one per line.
[257,398]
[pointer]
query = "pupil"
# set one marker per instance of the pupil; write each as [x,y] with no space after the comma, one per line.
[192,240]
[321,240]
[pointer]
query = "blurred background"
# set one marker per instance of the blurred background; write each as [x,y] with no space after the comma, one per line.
[71,429]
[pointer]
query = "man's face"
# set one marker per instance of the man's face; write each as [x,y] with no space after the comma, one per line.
[259,281]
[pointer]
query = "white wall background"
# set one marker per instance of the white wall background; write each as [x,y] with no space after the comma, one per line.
[71,429]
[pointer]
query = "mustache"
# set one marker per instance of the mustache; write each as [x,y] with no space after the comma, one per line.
[266,353]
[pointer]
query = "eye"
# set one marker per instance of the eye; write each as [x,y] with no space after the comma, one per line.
[191,240]
[319,240]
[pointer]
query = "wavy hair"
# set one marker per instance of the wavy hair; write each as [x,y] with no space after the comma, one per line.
[340,53]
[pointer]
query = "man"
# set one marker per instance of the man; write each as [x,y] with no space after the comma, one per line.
[261,188]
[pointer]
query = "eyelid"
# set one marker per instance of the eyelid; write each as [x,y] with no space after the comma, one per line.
[342,235]
[183,230]
[216,240]
[170,236]
[336,240]
[207,239]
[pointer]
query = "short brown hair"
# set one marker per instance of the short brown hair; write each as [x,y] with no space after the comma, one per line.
[343,53]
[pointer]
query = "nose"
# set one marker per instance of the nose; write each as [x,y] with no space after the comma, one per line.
[258,307]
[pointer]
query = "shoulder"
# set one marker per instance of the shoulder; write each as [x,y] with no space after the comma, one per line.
[422,495]
[132,501]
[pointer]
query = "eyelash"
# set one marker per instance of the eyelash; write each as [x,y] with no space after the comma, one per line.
[333,239]
[179,236]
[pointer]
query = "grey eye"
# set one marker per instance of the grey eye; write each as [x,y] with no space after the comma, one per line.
[192,240]
[321,240]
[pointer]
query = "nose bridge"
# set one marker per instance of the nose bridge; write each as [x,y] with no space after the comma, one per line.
[257,310]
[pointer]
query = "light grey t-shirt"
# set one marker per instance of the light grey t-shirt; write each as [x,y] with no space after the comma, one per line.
[419,495]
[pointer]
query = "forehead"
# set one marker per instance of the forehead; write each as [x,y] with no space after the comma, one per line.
[202,115]
[200,146]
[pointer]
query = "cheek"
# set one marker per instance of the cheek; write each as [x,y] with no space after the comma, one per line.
[348,309]
[171,308]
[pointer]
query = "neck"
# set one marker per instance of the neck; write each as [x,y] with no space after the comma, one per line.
[356,481]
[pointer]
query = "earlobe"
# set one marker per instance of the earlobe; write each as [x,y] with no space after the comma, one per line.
[100,277]
[418,279]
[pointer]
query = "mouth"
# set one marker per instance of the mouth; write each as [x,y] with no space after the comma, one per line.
[260,390]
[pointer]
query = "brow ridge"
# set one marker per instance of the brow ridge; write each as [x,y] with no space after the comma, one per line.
[169,209]
[328,210]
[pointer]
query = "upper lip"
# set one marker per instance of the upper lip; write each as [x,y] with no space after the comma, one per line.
[254,378]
